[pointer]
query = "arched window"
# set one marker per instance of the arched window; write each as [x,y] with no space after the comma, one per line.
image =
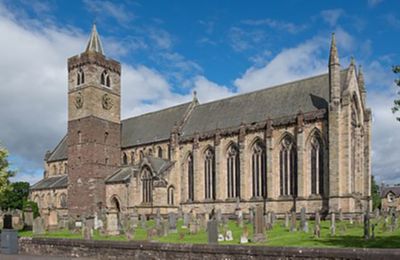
[190,173]
[141,155]
[65,168]
[105,79]
[233,171]
[150,152]
[54,169]
[147,186]
[160,152]
[63,201]
[317,166]
[258,166]
[106,137]
[209,174]
[124,159]
[80,77]
[170,198]
[288,167]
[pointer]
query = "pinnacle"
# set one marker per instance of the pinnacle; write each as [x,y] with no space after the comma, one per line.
[94,43]
[333,55]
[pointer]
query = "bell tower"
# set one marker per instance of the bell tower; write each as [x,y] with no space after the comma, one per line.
[94,128]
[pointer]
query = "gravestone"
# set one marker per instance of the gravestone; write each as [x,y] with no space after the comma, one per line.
[186,219]
[239,221]
[293,222]
[38,226]
[17,219]
[333,225]
[366,226]
[305,228]
[28,218]
[112,222]
[221,238]
[212,231]
[53,220]
[228,235]
[286,220]
[340,215]
[317,218]
[172,222]
[143,221]
[193,225]
[244,238]
[259,225]
[219,215]
[251,215]
[302,218]
[273,218]
[88,227]
[317,231]
[134,219]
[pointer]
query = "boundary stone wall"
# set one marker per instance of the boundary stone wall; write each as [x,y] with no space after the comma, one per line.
[149,250]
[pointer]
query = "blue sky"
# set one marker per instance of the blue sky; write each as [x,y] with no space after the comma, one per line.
[168,49]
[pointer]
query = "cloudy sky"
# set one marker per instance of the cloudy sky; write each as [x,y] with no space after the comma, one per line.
[168,49]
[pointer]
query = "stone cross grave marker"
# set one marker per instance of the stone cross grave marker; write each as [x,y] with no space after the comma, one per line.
[212,231]
[259,235]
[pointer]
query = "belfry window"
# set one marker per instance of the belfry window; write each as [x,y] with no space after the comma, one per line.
[288,167]
[233,172]
[160,152]
[80,77]
[258,162]
[190,177]
[105,79]
[147,186]
[209,174]
[317,166]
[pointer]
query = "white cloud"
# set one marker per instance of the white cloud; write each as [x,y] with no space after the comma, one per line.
[209,91]
[372,3]
[290,64]
[276,24]
[332,16]
[104,9]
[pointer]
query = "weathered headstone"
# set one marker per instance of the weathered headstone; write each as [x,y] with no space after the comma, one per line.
[212,231]
[286,220]
[134,219]
[317,231]
[340,215]
[221,238]
[239,221]
[228,235]
[366,225]
[28,218]
[112,222]
[333,225]
[219,215]
[186,220]
[305,228]
[317,218]
[273,218]
[302,218]
[293,222]
[143,221]
[172,222]
[251,216]
[244,238]
[259,235]
[38,226]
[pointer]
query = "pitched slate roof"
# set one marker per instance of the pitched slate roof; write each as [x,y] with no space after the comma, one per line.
[395,190]
[284,100]
[56,182]
[159,165]
[122,175]
[152,127]
[60,152]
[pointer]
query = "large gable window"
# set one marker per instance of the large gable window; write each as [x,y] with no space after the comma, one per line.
[147,186]
[258,167]
[209,174]
[288,167]
[317,166]
[233,171]
[190,173]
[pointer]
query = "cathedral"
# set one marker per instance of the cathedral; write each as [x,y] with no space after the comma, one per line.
[305,143]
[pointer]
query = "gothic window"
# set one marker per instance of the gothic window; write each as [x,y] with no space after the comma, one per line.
[209,174]
[65,168]
[169,152]
[317,166]
[63,201]
[150,152]
[190,177]
[160,152]
[170,197]
[105,137]
[147,186]
[233,171]
[132,157]
[124,159]
[258,166]
[80,77]
[288,167]
[105,79]
[54,169]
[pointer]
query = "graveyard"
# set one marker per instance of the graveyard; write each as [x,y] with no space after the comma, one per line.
[302,231]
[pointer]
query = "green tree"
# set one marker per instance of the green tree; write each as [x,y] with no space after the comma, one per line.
[396,107]
[376,197]
[16,197]
[5,173]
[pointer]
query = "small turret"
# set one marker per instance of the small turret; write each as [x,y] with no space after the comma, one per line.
[334,74]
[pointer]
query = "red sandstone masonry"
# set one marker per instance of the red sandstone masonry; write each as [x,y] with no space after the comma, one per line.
[148,250]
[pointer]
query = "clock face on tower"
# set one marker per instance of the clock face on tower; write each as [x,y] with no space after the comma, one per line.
[107,102]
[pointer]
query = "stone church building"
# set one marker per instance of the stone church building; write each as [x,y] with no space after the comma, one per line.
[306,143]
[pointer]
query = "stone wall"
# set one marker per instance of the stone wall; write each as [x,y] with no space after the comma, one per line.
[147,250]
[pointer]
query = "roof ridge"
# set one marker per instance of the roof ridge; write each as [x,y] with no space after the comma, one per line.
[266,88]
[57,146]
[157,111]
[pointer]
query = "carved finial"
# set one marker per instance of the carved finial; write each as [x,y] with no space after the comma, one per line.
[352,61]
[195,100]
[94,43]
[333,55]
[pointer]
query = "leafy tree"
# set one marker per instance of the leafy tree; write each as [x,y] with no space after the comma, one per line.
[33,206]
[396,107]
[5,173]
[16,197]
[376,198]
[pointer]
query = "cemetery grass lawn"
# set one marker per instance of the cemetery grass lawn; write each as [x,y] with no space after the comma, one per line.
[347,235]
